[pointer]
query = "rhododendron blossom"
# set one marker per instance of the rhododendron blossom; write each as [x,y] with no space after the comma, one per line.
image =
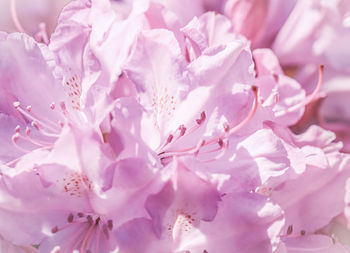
[175,127]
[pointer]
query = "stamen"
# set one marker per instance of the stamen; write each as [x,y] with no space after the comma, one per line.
[219,140]
[309,98]
[200,144]
[35,142]
[250,115]
[242,123]
[15,17]
[14,139]
[221,145]
[194,150]
[33,118]
[223,149]
[86,238]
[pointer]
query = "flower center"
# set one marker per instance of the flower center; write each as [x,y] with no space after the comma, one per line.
[47,131]
[203,146]
[89,233]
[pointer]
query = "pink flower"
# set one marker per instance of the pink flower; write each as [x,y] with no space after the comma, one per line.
[140,128]
[29,107]
[324,176]
[184,219]
[78,201]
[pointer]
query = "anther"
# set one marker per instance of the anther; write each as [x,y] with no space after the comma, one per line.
[70,218]
[54,230]
[182,129]
[226,127]
[290,229]
[15,137]
[35,124]
[221,142]
[80,215]
[202,118]
[17,129]
[16,104]
[27,131]
[52,105]
[170,138]
[89,219]
[254,88]
[29,108]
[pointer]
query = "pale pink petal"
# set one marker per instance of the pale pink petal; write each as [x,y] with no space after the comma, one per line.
[179,206]
[248,17]
[209,30]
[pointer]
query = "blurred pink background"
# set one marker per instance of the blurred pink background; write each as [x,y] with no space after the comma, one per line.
[30,14]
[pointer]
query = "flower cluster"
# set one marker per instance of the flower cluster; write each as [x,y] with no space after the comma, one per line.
[172,126]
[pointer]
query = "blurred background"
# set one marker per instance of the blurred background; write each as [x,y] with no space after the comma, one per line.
[30,13]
